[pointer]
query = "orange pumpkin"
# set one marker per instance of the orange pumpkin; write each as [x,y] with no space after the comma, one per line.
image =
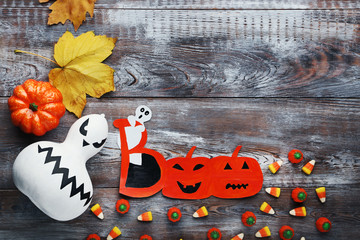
[36,107]
[248,218]
[323,224]
[187,177]
[286,233]
[235,177]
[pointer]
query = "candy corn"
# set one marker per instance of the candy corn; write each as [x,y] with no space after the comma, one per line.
[201,212]
[275,166]
[309,167]
[298,212]
[264,232]
[266,208]
[321,193]
[240,236]
[273,191]
[145,217]
[115,232]
[96,209]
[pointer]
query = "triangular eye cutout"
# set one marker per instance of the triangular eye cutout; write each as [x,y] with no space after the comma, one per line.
[227,167]
[198,166]
[178,167]
[85,143]
[245,166]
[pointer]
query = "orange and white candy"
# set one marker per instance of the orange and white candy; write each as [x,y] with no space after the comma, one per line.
[240,236]
[145,217]
[275,166]
[309,167]
[273,191]
[266,208]
[298,212]
[264,232]
[201,212]
[321,193]
[115,232]
[96,209]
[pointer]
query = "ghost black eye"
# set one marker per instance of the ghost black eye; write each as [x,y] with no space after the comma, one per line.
[82,127]
[147,113]
[142,109]
[178,167]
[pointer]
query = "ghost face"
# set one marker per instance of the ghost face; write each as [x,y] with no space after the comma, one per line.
[143,114]
[88,134]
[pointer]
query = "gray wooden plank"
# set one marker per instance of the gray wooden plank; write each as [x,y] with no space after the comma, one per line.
[25,221]
[325,130]
[167,53]
[202,4]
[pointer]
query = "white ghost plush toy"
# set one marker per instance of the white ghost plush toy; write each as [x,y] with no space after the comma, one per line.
[54,176]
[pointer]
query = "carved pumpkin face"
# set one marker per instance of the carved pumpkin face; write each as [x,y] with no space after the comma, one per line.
[235,177]
[187,177]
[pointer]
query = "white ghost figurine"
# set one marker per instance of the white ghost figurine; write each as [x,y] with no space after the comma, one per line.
[54,176]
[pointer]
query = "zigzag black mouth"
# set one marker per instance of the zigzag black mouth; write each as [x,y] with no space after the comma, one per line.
[236,186]
[189,188]
[66,180]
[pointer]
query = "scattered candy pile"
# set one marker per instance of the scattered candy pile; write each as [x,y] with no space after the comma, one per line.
[299,195]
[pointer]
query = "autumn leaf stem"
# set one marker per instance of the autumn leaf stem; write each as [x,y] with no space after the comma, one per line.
[21,51]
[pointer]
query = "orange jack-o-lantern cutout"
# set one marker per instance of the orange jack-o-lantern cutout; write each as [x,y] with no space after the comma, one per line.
[235,177]
[187,177]
[145,178]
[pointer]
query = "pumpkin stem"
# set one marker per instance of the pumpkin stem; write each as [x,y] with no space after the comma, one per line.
[21,51]
[33,107]
[190,153]
[236,151]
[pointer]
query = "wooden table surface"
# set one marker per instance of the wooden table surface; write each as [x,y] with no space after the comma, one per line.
[268,75]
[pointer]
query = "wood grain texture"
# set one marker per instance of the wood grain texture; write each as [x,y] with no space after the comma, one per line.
[203,4]
[268,75]
[167,53]
[24,219]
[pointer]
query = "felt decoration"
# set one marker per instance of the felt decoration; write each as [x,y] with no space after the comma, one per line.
[54,176]
[295,156]
[275,166]
[114,233]
[235,177]
[323,224]
[240,236]
[309,167]
[145,217]
[299,195]
[174,214]
[266,208]
[142,169]
[273,191]
[145,237]
[122,206]
[298,212]
[286,233]
[248,219]
[96,209]
[93,237]
[321,193]
[214,234]
[264,232]
[201,212]
[187,177]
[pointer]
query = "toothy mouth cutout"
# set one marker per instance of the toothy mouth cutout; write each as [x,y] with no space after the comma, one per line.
[189,188]
[236,186]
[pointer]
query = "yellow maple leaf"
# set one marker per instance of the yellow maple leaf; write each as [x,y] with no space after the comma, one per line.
[81,69]
[74,10]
